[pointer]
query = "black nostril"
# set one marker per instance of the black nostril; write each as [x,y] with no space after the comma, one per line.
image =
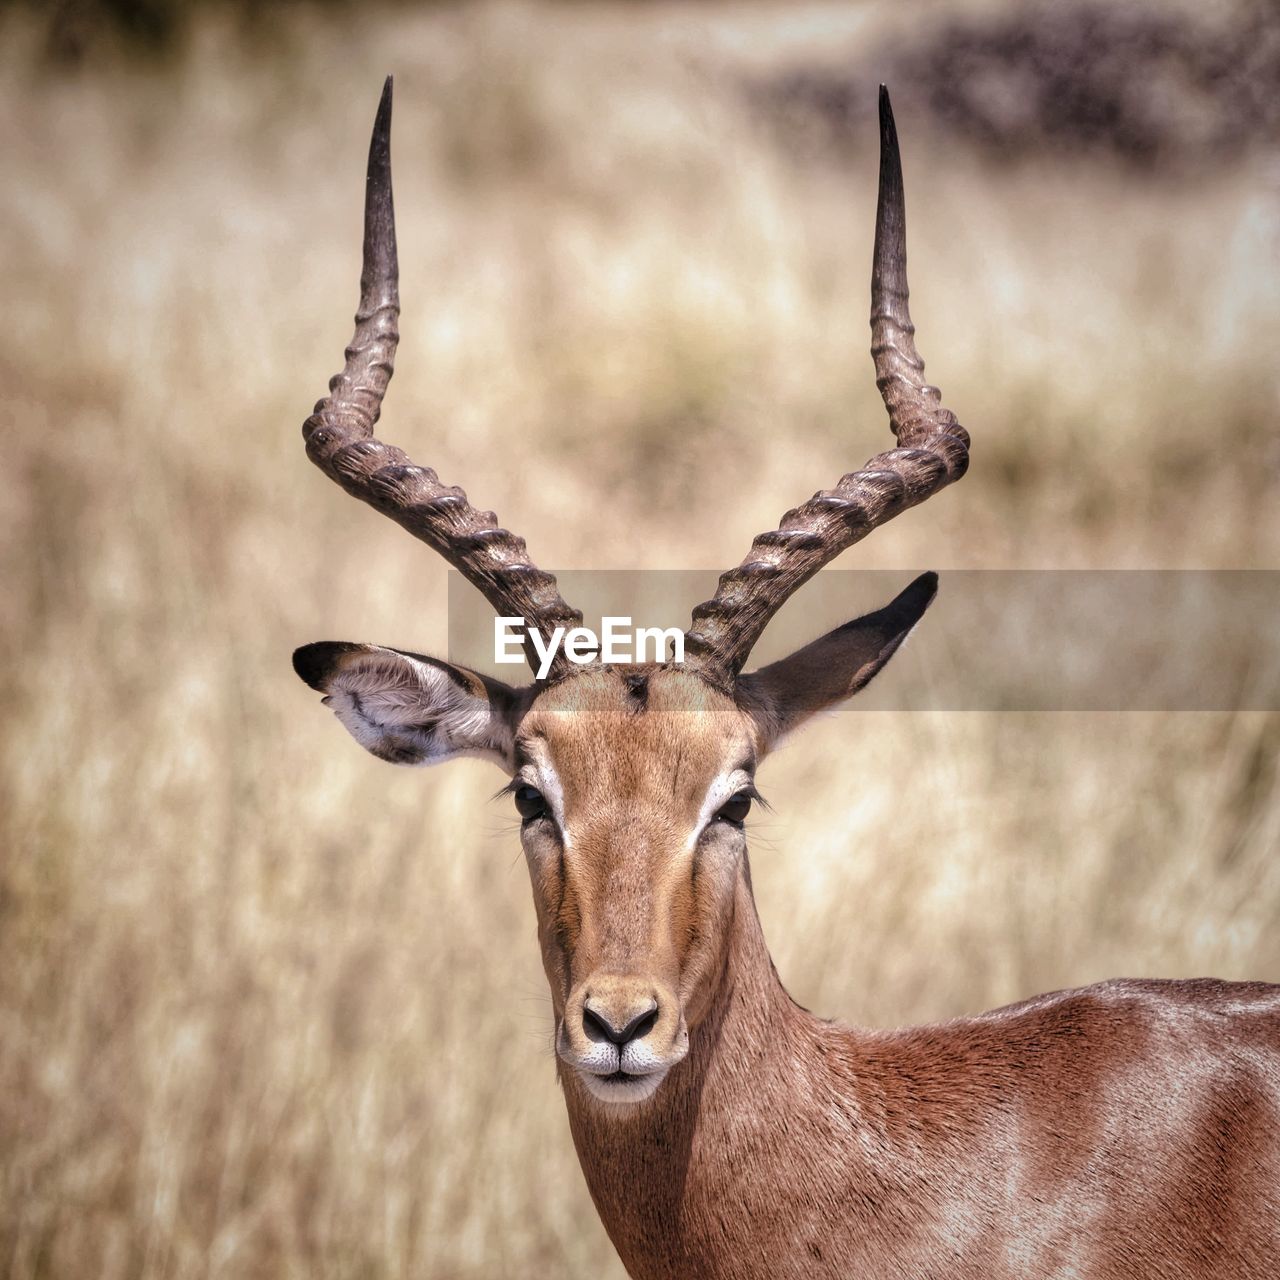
[640,1026]
[598,1028]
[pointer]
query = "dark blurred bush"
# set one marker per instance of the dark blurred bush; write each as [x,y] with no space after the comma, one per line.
[1154,87]
[76,30]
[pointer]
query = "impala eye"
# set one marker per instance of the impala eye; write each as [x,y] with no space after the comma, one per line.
[530,803]
[735,809]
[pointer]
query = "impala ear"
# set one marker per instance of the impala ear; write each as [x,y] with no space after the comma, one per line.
[410,709]
[784,694]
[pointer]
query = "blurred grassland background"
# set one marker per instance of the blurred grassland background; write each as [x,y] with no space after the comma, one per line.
[270,1008]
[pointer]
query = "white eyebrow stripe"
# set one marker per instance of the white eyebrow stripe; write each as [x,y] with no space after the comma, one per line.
[726,785]
[540,773]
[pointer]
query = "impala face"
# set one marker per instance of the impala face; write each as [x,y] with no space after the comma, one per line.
[632,783]
[632,789]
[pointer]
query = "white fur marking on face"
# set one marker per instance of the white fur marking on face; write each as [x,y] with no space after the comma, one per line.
[630,1090]
[598,1068]
[726,785]
[540,773]
[639,1059]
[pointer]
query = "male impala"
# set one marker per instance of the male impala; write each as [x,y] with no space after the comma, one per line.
[1130,1129]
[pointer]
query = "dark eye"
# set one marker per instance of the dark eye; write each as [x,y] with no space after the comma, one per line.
[530,803]
[735,809]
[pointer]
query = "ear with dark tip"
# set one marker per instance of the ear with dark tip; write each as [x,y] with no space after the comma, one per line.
[407,708]
[784,694]
[314,662]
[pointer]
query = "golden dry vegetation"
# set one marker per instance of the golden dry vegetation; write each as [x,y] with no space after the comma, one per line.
[270,1008]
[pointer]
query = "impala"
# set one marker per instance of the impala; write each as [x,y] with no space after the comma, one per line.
[1129,1129]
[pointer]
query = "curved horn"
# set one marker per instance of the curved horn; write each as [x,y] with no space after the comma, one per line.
[340,439]
[933,450]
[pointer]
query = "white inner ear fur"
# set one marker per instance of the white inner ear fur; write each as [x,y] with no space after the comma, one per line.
[414,713]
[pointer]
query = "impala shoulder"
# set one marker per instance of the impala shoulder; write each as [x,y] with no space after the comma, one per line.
[1086,1020]
[1128,995]
[1127,1020]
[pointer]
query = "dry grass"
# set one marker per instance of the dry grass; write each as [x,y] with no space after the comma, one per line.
[271,1008]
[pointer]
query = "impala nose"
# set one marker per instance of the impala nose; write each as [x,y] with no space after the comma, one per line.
[618,1024]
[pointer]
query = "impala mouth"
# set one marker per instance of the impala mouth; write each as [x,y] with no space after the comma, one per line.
[622,1073]
[620,1076]
[622,1086]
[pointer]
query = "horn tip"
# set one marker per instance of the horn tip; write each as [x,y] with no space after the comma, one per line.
[382,122]
[887,128]
[380,141]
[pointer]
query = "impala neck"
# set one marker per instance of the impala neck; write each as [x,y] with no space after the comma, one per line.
[659,1175]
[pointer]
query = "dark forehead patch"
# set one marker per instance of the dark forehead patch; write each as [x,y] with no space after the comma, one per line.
[637,685]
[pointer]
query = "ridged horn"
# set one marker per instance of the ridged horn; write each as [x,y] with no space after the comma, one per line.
[933,450]
[340,440]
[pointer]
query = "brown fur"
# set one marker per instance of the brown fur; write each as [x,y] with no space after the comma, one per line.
[1131,1129]
[1128,1130]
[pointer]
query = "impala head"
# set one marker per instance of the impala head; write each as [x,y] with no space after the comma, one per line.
[632,783]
